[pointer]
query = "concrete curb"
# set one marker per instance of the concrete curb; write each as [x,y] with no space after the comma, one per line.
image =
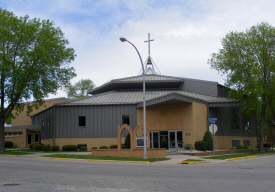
[115,161]
[232,159]
[194,162]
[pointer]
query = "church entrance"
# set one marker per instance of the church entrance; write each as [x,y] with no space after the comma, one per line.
[166,139]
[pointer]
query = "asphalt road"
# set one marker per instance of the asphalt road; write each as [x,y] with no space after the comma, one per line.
[22,174]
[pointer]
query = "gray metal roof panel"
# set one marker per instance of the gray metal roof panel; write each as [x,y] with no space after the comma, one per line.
[134,97]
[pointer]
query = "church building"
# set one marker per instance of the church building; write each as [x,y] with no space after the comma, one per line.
[177,113]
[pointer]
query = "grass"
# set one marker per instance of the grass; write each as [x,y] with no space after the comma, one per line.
[223,157]
[94,157]
[13,151]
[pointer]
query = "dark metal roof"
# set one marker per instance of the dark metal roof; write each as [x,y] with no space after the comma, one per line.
[152,81]
[152,97]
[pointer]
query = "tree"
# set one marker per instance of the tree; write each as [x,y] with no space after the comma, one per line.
[79,89]
[209,140]
[248,61]
[34,62]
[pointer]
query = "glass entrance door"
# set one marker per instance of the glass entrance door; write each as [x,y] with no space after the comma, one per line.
[154,139]
[164,139]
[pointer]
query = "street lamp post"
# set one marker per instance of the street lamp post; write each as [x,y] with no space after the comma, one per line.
[122,39]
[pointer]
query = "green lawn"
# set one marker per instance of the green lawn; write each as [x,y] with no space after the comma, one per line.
[12,151]
[238,155]
[93,157]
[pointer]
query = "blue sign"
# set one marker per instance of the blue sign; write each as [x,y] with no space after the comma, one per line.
[212,120]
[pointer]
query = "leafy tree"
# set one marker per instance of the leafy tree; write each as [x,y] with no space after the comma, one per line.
[209,140]
[34,62]
[79,89]
[248,61]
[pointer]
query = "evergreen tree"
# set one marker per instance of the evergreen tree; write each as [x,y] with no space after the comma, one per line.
[209,140]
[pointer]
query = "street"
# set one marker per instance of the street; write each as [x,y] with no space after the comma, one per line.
[30,174]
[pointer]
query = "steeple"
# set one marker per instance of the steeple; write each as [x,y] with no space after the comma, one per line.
[149,64]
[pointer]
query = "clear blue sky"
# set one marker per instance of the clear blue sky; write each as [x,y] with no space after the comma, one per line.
[185,33]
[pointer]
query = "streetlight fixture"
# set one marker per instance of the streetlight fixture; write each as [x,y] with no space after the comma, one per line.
[122,39]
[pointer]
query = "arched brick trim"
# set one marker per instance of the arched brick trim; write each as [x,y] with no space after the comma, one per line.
[119,131]
[135,134]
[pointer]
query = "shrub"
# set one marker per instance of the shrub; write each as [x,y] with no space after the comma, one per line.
[240,147]
[187,146]
[209,140]
[103,147]
[267,145]
[127,142]
[55,148]
[31,145]
[82,148]
[201,145]
[113,146]
[15,146]
[94,147]
[69,148]
[8,144]
[46,148]
[246,147]
[123,146]
[38,146]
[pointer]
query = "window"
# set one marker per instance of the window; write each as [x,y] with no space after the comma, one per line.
[9,133]
[234,114]
[235,143]
[82,121]
[14,134]
[6,134]
[20,133]
[246,142]
[81,145]
[245,123]
[37,137]
[125,120]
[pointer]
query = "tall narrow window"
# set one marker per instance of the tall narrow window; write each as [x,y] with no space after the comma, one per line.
[82,121]
[235,125]
[125,120]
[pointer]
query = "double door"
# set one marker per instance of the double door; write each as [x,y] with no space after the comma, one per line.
[166,139]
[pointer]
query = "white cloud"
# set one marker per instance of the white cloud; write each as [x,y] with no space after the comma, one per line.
[185,33]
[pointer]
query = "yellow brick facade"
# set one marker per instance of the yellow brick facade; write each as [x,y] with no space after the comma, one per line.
[225,142]
[22,119]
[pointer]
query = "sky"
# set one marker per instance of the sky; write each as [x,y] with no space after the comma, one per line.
[185,33]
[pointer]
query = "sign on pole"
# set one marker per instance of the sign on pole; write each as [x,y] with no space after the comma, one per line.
[213,121]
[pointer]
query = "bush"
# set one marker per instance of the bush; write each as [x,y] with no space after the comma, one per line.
[82,148]
[201,145]
[103,147]
[113,146]
[94,147]
[267,145]
[69,148]
[209,140]
[127,142]
[8,144]
[38,146]
[246,147]
[240,147]
[31,145]
[55,148]
[46,148]
[187,146]
[15,146]
[123,146]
